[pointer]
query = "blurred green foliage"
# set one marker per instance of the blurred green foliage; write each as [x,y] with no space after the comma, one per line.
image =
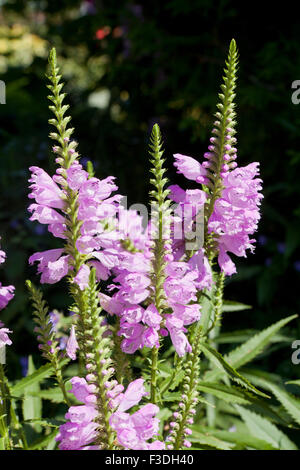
[127,65]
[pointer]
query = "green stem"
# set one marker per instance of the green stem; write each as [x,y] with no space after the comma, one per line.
[154,359]
[218,301]
[160,204]
[190,394]
[4,410]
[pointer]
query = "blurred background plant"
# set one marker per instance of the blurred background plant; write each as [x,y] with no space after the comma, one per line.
[127,65]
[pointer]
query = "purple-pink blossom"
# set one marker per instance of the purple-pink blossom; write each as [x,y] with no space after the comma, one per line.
[134,430]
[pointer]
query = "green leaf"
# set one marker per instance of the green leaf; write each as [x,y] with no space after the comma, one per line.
[206,308]
[255,345]
[52,423]
[249,350]
[32,406]
[208,439]
[230,394]
[37,377]
[44,441]
[221,363]
[245,440]
[242,438]
[241,336]
[55,395]
[232,306]
[290,403]
[262,429]
[293,382]
[172,397]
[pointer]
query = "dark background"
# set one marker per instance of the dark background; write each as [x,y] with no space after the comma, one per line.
[126,66]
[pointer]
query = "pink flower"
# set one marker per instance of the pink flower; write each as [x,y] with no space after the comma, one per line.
[180,341]
[4,339]
[6,294]
[81,414]
[150,338]
[151,316]
[134,430]
[52,265]
[72,344]
[76,176]
[2,256]
[189,167]
[199,263]
[96,190]
[111,305]
[44,190]
[133,314]
[133,395]
[45,215]
[82,391]
[73,436]
[82,277]
[236,214]
[187,313]
[180,290]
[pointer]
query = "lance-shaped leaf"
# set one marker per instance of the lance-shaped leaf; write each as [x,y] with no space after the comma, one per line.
[216,358]
[263,429]
[252,348]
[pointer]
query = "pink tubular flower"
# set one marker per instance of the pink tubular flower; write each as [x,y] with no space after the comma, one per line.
[4,339]
[82,277]
[75,435]
[76,176]
[141,327]
[80,430]
[95,209]
[236,214]
[133,431]
[72,344]
[6,294]
[82,391]
[44,190]
[133,395]
[52,266]
[189,167]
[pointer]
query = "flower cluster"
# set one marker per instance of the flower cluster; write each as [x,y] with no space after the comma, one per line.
[235,213]
[6,294]
[80,430]
[140,325]
[95,207]
[133,431]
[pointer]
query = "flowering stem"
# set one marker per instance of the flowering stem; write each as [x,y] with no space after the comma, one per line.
[224,130]
[120,358]
[154,359]
[218,300]
[160,206]
[189,397]
[97,354]
[46,337]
